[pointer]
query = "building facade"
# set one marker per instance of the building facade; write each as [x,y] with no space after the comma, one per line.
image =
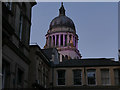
[16,23]
[90,72]
[39,68]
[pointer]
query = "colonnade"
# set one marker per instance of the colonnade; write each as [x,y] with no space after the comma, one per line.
[62,40]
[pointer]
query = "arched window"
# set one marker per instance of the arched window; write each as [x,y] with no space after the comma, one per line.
[66,57]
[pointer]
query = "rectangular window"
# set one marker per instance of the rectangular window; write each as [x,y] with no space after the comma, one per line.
[105,78]
[61,77]
[91,78]
[117,76]
[19,77]
[77,76]
[5,74]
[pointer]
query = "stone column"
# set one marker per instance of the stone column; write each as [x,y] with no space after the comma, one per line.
[72,40]
[52,41]
[59,40]
[67,39]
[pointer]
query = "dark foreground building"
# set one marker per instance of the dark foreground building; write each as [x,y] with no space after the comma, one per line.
[16,23]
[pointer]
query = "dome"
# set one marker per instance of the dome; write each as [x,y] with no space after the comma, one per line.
[62,20]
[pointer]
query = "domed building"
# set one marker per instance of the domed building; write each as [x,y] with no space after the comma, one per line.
[62,35]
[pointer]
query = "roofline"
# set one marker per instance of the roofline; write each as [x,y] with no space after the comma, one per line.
[85,66]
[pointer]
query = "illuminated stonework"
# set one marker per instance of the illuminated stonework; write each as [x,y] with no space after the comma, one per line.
[62,35]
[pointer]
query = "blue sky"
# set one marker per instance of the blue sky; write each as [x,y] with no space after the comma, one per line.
[96,25]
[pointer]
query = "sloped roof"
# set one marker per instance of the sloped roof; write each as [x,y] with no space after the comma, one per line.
[88,63]
[48,52]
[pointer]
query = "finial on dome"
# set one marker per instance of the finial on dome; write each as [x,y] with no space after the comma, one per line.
[62,10]
[61,3]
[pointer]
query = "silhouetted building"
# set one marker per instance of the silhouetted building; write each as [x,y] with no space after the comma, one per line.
[16,23]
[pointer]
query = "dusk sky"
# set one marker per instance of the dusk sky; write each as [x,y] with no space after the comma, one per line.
[96,25]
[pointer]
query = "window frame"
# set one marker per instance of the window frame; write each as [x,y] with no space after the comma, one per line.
[20,83]
[62,78]
[108,75]
[77,78]
[94,77]
[118,78]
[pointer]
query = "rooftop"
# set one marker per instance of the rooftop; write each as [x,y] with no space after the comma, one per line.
[88,63]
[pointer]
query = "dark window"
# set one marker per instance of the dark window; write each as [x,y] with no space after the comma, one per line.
[91,77]
[105,78]
[62,57]
[117,76]
[66,57]
[57,40]
[70,38]
[77,77]
[61,77]
[5,74]
[65,40]
[19,77]
[61,40]
[53,40]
